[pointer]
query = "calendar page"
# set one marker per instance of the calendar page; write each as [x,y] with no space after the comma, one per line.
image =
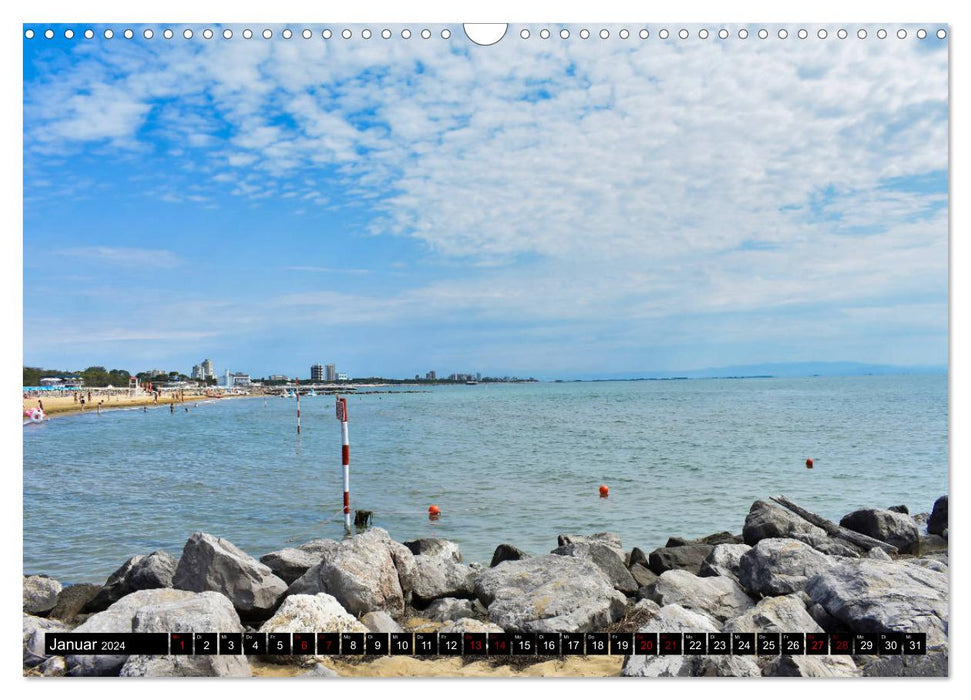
[506,350]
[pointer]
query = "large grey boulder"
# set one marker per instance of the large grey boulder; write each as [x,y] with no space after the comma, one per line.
[937,522]
[435,547]
[507,552]
[812,667]
[606,558]
[670,618]
[907,666]
[440,577]
[828,545]
[118,618]
[930,544]
[728,667]
[211,563]
[449,609]
[689,557]
[766,520]
[34,630]
[292,562]
[360,574]
[607,539]
[885,525]
[208,611]
[40,594]
[876,596]
[141,572]
[235,666]
[723,560]
[72,600]
[785,613]
[549,593]
[54,666]
[717,597]
[780,566]
[312,613]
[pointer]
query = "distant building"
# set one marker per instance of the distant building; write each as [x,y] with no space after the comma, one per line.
[203,370]
[231,379]
[317,373]
[342,377]
[331,373]
[279,378]
[431,376]
[478,376]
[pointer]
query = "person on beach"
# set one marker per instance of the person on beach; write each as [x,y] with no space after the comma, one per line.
[82,403]
[75,397]
[40,404]
[172,407]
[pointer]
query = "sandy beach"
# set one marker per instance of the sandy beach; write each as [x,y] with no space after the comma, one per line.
[65,405]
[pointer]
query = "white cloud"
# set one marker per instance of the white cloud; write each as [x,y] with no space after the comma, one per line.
[127,257]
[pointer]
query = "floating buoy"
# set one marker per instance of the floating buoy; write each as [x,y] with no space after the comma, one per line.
[604,491]
[434,512]
[35,415]
[809,463]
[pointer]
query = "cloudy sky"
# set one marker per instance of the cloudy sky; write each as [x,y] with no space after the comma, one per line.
[548,207]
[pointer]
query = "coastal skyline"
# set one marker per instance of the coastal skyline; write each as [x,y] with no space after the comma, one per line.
[537,208]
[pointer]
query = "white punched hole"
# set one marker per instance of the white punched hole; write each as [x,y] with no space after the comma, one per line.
[287,34]
[129,34]
[247,33]
[187,34]
[544,34]
[168,34]
[366,34]
[664,34]
[763,34]
[483,34]
[842,34]
[327,34]
[941,34]
[49,34]
[881,34]
[227,33]
[385,33]
[624,34]
[306,33]
[783,34]
[861,34]
[604,34]
[207,34]
[426,34]
[584,33]
[68,33]
[346,34]
[921,33]
[802,34]
[703,34]
[405,33]
[643,34]
[743,33]
[446,33]
[822,34]
[901,33]
[564,33]
[148,34]
[722,33]
[524,34]
[29,34]
[267,34]
[683,34]
[109,34]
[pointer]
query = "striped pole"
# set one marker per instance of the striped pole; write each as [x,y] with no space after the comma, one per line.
[298,405]
[345,461]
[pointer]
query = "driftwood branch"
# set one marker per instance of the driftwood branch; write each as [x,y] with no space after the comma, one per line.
[833,530]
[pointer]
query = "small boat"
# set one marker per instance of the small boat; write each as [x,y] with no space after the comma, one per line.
[471,382]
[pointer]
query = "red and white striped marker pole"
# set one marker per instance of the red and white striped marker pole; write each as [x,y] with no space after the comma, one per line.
[298,405]
[345,461]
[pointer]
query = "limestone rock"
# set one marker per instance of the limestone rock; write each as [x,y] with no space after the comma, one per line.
[232,666]
[670,618]
[213,564]
[360,574]
[766,520]
[718,597]
[467,624]
[775,614]
[904,666]
[312,613]
[604,557]
[642,575]
[440,577]
[34,629]
[780,566]
[877,596]
[141,572]
[549,593]
[723,560]
[893,528]
[40,594]
[812,667]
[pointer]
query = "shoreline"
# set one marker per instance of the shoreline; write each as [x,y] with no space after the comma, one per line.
[879,570]
[57,407]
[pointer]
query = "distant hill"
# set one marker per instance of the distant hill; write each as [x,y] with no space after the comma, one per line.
[773,369]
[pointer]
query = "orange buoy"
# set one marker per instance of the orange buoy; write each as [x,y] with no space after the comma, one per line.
[809,463]
[434,512]
[604,491]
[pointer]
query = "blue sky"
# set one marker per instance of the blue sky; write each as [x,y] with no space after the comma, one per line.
[539,207]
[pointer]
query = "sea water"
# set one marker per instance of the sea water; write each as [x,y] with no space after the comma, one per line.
[514,463]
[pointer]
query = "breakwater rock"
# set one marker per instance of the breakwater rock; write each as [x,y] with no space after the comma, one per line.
[879,570]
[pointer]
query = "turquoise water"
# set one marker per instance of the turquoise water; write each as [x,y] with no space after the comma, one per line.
[505,463]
